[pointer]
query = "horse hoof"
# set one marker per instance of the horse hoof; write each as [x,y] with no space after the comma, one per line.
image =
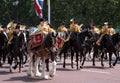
[37,74]
[51,75]
[20,71]
[63,66]
[93,64]
[102,65]
[10,70]
[81,67]
[111,66]
[30,74]
[45,77]
[114,64]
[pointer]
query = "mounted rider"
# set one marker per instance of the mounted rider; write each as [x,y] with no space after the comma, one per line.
[111,30]
[94,28]
[62,28]
[10,29]
[74,27]
[44,26]
[103,31]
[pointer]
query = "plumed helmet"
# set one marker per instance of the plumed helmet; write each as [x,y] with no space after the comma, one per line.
[10,24]
[42,19]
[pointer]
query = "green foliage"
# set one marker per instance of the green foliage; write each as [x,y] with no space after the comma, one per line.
[84,11]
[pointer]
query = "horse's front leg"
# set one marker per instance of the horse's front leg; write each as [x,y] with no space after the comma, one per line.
[72,55]
[10,60]
[102,56]
[47,64]
[0,60]
[30,72]
[117,57]
[84,58]
[53,69]
[64,63]
[43,75]
[110,58]
[37,73]
[77,60]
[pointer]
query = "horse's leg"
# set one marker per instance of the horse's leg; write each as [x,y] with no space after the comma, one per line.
[16,62]
[110,59]
[102,56]
[47,64]
[72,55]
[20,61]
[117,57]
[53,69]
[4,56]
[30,72]
[43,75]
[0,58]
[84,58]
[105,57]
[37,73]
[24,53]
[94,54]
[77,60]
[64,63]
[10,62]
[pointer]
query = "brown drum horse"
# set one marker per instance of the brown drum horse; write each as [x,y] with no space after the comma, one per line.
[47,50]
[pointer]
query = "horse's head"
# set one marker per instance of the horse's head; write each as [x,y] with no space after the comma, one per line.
[85,35]
[50,41]
[116,38]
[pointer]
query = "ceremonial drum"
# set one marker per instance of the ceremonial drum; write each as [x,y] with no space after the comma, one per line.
[36,37]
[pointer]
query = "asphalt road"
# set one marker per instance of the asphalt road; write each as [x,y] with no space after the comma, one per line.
[88,74]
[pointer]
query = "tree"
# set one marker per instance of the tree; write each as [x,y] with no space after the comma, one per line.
[84,11]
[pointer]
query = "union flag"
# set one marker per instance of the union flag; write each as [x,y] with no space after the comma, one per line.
[38,7]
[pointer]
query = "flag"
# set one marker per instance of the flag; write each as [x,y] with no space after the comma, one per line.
[38,4]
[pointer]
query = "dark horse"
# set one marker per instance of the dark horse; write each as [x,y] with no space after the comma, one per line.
[3,46]
[15,50]
[46,50]
[116,40]
[107,44]
[77,45]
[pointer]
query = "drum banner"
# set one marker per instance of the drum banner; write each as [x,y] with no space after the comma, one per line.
[59,42]
[37,39]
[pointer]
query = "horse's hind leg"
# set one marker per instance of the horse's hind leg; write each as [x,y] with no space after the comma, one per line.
[77,60]
[47,64]
[16,63]
[72,55]
[10,60]
[117,58]
[84,58]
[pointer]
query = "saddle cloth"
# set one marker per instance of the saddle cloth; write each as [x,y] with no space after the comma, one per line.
[36,39]
[59,42]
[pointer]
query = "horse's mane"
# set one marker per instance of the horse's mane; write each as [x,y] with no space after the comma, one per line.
[47,42]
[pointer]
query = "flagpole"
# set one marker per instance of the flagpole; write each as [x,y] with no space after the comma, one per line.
[49,20]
